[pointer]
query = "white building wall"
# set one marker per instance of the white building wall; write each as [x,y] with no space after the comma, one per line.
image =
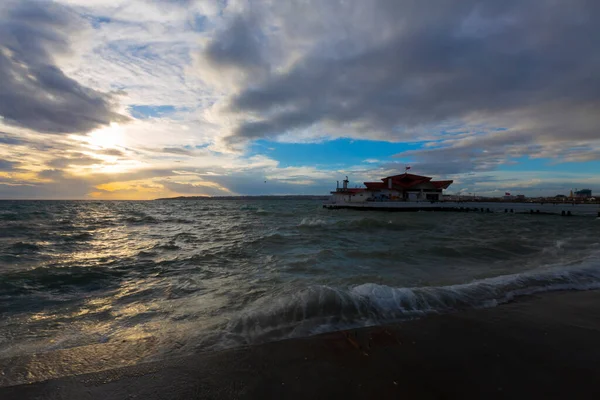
[360,197]
[391,195]
[339,198]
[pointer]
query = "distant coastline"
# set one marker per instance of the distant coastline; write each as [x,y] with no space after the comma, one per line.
[461,198]
[262,197]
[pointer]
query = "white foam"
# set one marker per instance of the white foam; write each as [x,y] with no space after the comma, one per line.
[323,308]
[312,222]
[480,293]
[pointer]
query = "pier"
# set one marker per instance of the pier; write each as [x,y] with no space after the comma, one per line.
[410,192]
[562,209]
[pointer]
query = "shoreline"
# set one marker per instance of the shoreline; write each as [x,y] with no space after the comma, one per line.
[542,346]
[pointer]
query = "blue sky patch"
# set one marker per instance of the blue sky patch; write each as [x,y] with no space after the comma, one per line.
[337,153]
[199,23]
[98,21]
[144,112]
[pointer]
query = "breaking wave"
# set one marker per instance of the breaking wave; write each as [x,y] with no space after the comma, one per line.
[320,309]
[312,222]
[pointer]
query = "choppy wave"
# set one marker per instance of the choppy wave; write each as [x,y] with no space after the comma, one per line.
[167,246]
[45,287]
[78,237]
[363,224]
[146,219]
[263,270]
[323,308]
[180,221]
[14,217]
[22,247]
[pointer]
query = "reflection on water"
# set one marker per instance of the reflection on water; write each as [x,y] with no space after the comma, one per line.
[193,275]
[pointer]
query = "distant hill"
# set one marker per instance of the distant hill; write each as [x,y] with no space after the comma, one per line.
[263,197]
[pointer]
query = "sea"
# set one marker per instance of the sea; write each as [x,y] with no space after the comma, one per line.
[204,275]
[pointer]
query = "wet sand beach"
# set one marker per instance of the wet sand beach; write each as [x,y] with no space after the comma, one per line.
[543,346]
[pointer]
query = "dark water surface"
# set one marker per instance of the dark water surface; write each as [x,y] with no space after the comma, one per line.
[196,275]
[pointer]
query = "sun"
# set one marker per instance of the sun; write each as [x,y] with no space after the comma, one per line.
[110,137]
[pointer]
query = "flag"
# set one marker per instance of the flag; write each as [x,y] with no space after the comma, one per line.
[506,194]
[407,168]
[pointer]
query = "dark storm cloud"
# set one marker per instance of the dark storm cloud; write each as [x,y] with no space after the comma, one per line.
[472,154]
[489,152]
[419,64]
[238,46]
[35,93]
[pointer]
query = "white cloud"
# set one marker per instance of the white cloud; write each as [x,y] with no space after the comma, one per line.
[309,71]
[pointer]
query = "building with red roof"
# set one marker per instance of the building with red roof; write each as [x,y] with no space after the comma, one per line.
[403,187]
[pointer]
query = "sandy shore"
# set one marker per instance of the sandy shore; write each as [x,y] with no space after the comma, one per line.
[545,346]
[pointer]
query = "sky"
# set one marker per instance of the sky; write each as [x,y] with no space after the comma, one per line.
[141,99]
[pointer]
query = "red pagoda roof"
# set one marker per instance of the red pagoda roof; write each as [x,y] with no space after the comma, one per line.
[407,176]
[441,184]
[406,181]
